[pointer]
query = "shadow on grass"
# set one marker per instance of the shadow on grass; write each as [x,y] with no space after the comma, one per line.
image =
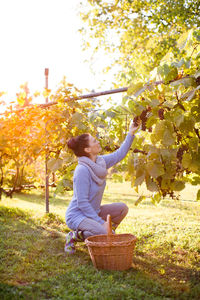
[38,197]
[165,270]
[34,266]
[29,245]
[60,201]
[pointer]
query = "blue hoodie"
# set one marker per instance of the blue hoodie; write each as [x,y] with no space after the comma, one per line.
[87,197]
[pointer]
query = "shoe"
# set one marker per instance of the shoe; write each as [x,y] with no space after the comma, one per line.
[114,227]
[71,238]
[69,246]
[79,236]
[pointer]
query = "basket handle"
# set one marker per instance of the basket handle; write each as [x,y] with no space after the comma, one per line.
[109,225]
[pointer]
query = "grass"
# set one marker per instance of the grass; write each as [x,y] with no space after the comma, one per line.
[166,262]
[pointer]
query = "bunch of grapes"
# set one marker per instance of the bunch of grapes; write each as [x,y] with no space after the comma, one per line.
[165,191]
[110,149]
[198,80]
[143,118]
[161,114]
[180,152]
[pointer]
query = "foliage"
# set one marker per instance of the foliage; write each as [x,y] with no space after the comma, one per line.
[137,33]
[166,152]
[156,45]
[33,132]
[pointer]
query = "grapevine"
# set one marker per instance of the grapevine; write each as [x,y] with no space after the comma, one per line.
[171,155]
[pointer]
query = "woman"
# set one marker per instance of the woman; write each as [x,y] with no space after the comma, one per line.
[85,215]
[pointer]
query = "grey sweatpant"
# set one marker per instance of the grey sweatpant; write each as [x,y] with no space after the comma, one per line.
[117,211]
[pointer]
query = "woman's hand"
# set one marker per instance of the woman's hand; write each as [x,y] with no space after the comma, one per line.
[133,129]
[105,226]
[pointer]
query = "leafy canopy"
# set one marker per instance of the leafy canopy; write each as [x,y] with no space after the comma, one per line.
[139,32]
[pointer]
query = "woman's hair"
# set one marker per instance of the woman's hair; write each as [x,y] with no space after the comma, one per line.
[78,144]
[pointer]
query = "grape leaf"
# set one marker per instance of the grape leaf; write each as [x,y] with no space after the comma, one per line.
[186,160]
[178,185]
[54,164]
[155,169]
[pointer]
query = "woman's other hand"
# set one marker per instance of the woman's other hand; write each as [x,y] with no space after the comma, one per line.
[133,128]
[105,226]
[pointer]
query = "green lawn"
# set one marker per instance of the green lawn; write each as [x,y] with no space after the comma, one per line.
[166,262]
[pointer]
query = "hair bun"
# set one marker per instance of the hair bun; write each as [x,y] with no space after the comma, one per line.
[72,143]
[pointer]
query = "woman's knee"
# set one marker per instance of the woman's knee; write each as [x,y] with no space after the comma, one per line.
[94,231]
[91,227]
[124,209]
[98,231]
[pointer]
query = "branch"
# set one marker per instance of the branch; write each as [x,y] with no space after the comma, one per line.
[140,151]
[87,96]
[197,132]
[9,193]
[197,44]
[179,102]
[92,95]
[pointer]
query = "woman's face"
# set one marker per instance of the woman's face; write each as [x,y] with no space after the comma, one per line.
[94,146]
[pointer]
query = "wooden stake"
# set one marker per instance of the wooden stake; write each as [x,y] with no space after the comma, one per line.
[46,156]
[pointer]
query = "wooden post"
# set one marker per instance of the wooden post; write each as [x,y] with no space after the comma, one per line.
[46,157]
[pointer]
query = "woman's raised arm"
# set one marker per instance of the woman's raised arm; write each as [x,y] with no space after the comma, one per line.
[118,155]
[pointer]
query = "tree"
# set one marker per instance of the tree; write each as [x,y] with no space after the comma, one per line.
[156,45]
[139,32]
[35,132]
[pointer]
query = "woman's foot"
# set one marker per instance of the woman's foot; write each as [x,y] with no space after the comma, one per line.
[71,238]
[69,246]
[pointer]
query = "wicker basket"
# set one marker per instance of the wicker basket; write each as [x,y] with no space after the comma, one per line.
[111,251]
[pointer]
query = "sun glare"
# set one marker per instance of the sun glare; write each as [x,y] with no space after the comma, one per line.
[44,34]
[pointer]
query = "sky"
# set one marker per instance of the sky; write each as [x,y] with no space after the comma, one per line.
[39,34]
